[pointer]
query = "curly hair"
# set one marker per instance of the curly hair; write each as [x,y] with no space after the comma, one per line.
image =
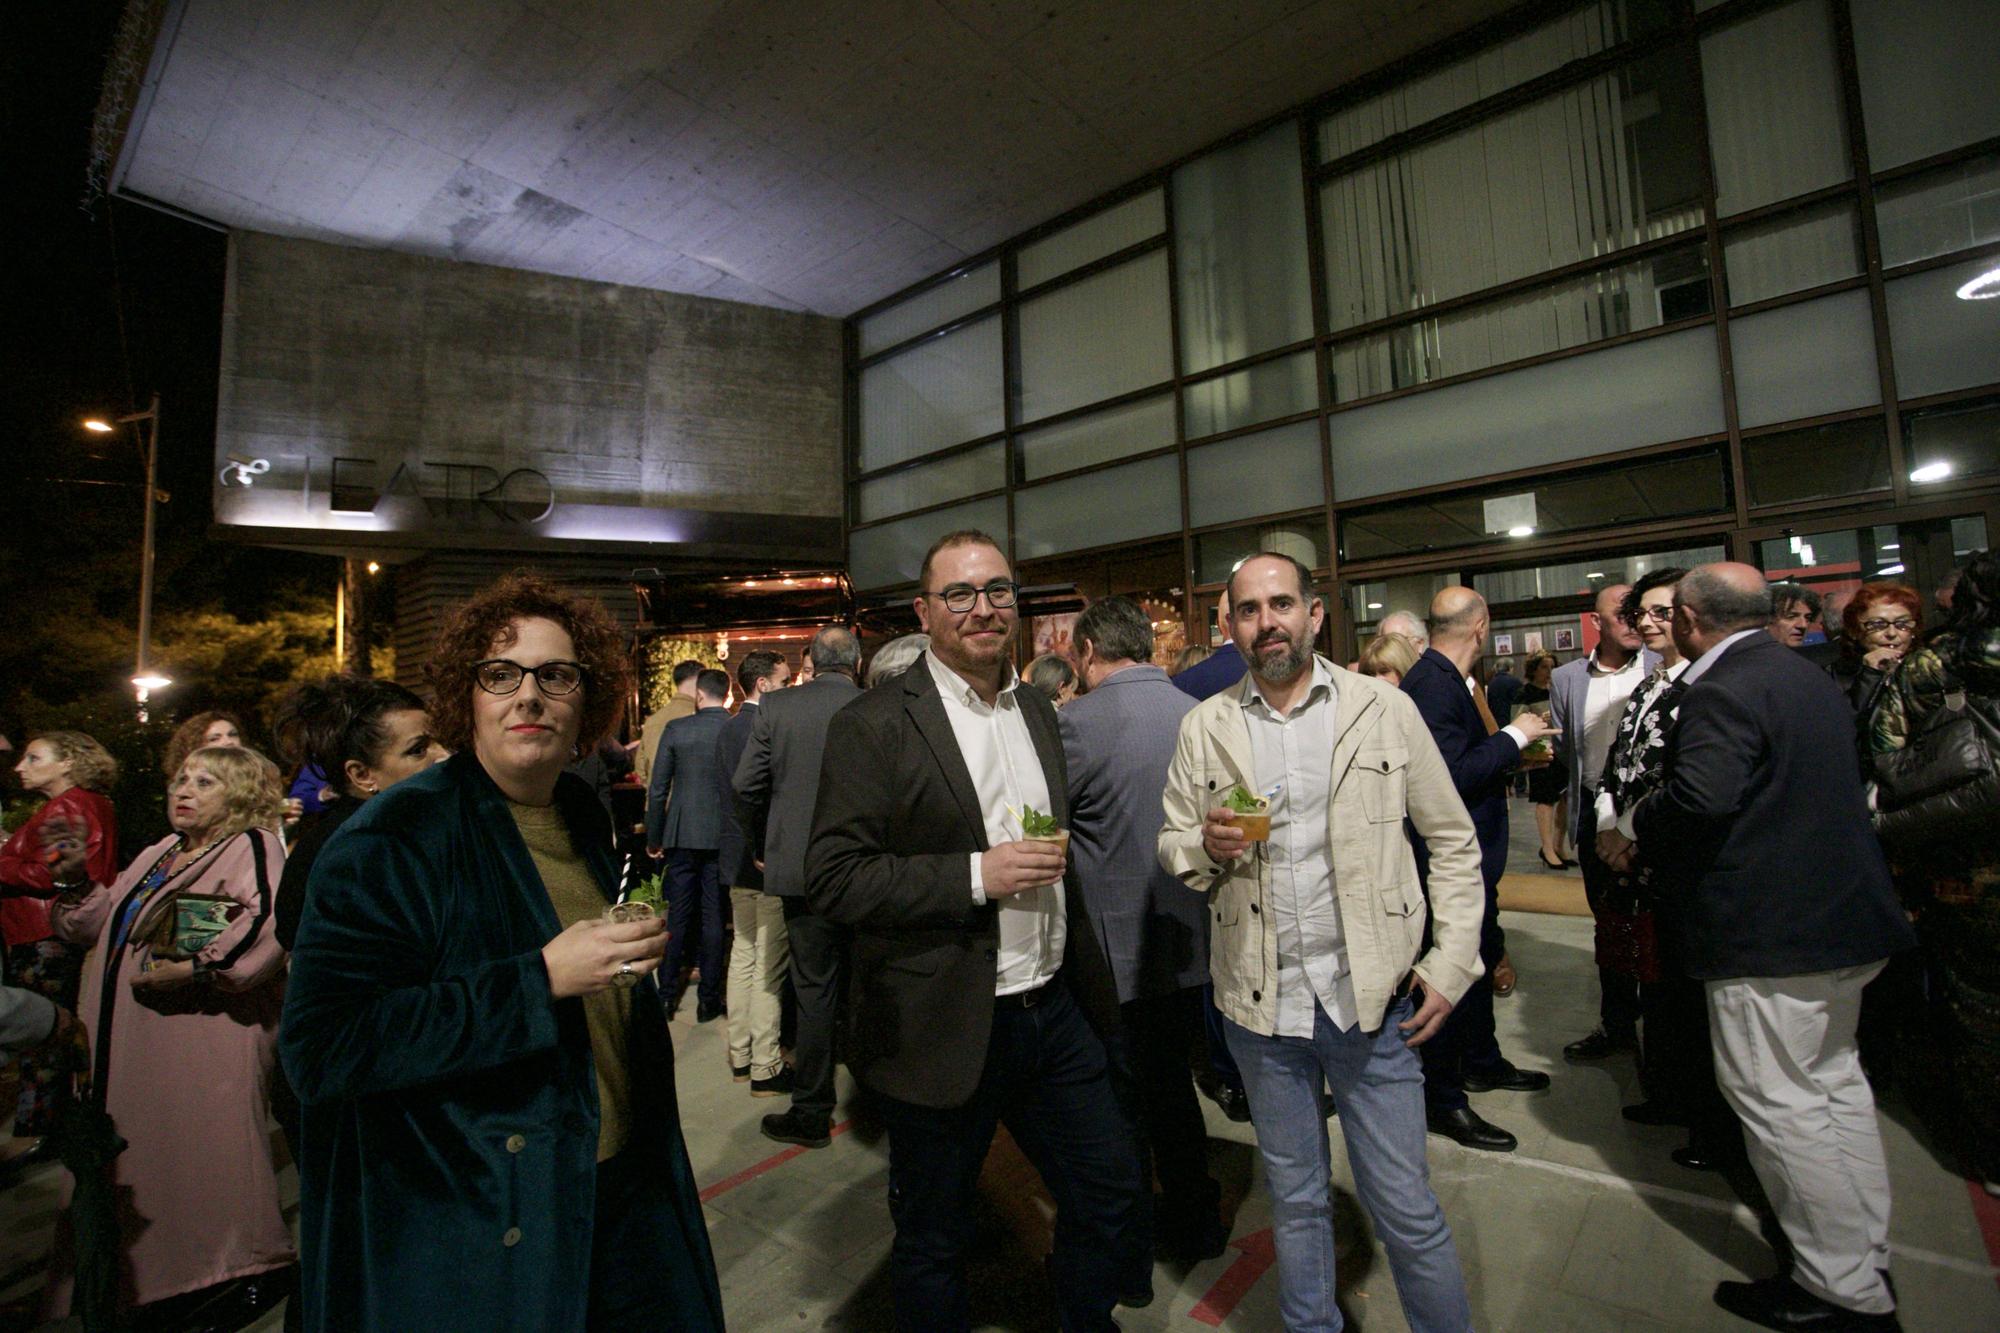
[485,625]
[253,789]
[1878,591]
[187,737]
[1664,577]
[90,764]
[1535,663]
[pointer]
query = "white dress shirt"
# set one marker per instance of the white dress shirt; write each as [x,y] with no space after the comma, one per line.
[1294,753]
[1006,771]
[1603,704]
[1520,736]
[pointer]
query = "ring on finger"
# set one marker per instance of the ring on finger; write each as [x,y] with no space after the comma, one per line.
[626,975]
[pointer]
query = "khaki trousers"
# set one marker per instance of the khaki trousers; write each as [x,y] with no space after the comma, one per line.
[757,963]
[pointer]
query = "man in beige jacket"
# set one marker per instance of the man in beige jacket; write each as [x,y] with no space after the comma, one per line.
[1317,931]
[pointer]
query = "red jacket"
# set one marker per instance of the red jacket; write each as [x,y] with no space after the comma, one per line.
[26,883]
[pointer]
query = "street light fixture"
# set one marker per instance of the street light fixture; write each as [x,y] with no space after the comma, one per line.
[144,679]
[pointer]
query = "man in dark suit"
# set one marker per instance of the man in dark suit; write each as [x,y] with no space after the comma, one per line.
[777,783]
[1465,1056]
[1118,738]
[684,823]
[1220,669]
[981,992]
[759,953]
[1788,915]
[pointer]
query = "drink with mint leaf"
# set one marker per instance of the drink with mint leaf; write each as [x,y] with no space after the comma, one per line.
[647,899]
[1249,812]
[1038,827]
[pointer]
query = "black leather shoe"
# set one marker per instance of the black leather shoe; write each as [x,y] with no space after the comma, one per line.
[778,1085]
[796,1126]
[739,1073]
[1599,1045]
[1655,1113]
[1506,1078]
[1468,1129]
[1693,1158]
[1783,1304]
[708,1013]
[1187,1241]
[1235,1103]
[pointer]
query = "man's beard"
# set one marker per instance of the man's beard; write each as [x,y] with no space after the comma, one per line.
[1282,669]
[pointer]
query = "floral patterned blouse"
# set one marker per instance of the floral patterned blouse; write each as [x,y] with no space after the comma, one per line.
[1638,759]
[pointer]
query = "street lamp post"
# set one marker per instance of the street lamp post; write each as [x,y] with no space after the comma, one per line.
[144,678]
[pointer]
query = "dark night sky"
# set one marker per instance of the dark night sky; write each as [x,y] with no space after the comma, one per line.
[72,273]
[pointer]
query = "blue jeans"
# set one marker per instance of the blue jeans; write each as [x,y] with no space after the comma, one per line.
[1378,1085]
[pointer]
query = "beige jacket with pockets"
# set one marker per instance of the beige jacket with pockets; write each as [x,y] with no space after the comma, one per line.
[1385,765]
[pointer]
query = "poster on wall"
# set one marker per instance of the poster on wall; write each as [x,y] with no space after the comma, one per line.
[1565,640]
[1503,645]
[1532,641]
[1053,634]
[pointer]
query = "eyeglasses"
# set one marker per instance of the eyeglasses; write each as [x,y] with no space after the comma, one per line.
[500,676]
[1877,626]
[962,597]
[1663,614]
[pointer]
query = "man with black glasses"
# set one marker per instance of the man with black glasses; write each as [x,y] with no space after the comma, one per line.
[980,988]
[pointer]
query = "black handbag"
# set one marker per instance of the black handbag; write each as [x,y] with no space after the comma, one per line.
[1943,787]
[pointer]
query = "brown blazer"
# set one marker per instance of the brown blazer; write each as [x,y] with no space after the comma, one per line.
[896,823]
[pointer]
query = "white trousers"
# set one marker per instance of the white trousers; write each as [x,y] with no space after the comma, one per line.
[1786,1058]
[757,963]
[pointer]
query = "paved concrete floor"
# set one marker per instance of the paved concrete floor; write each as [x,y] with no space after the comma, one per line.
[1588,1227]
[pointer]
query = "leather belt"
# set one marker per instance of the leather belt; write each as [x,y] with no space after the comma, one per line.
[1026,999]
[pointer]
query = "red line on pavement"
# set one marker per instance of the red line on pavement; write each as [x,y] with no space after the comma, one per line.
[771,1163]
[1986,1210]
[1260,1251]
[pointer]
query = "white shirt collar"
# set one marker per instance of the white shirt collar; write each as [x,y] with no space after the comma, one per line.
[1707,659]
[954,686]
[1322,679]
[1632,663]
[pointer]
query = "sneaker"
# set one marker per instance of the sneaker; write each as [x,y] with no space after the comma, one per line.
[778,1085]
[796,1126]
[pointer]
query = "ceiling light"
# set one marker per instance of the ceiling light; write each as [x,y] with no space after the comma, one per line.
[1374,606]
[97,427]
[749,583]
[1892,546]
[153,681]
[374,567]
[1595,574]
[1889,569]
[1522,531]
[1931,472]
[1982,288]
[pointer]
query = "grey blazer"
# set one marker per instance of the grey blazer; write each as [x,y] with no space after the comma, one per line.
[1118,740]
[777,780]
[26,1019]
[1569,690]
[691,817]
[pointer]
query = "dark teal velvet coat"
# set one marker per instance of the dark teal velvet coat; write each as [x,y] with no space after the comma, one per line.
[450,1106]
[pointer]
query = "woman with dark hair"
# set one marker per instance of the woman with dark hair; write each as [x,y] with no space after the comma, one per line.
[180,998]
[1952,886]
[1546,784]
[1877,629]
[213,727]
[75,774]
[492,1137]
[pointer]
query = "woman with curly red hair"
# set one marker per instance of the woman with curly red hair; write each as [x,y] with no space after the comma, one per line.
[1879,626]
[491,1132]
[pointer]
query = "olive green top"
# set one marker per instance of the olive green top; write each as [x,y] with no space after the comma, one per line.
[576,897]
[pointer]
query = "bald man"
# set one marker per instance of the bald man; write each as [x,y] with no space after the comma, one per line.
[1465,1055]
[1786,913]
[1586,699]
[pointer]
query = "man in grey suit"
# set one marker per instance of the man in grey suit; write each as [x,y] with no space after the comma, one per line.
[1118,738]
[684,821]
[777,784]
[1586,699]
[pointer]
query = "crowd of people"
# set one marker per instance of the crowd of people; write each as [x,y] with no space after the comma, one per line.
[1060,900]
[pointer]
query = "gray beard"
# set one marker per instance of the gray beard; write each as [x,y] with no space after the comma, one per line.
[1284,669]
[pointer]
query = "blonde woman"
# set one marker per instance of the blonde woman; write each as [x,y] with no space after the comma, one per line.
[182,1047]
[1388,657]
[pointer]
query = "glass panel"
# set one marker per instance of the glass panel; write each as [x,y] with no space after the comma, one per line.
[1586,309]
[1845,458]
[1580,578]
[894,552]
[1368,604]
[1103,336]
[1603,165]
[1098,438]
[1941,342]
[1217,553]
[1245,397]
[1139,218]
[1804,360]
[1507,65]
[969,473]
[1792,253]
[1774,107]
[1937,212]
[1835,561]
[937,394]
[1270,472]
[1098,508]
[951,299]
[1927,81]
[1240,243]
[1657,389]
[1634,492]
[1945,445]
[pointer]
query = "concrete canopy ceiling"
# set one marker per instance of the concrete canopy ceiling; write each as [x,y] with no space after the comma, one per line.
[814,156]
